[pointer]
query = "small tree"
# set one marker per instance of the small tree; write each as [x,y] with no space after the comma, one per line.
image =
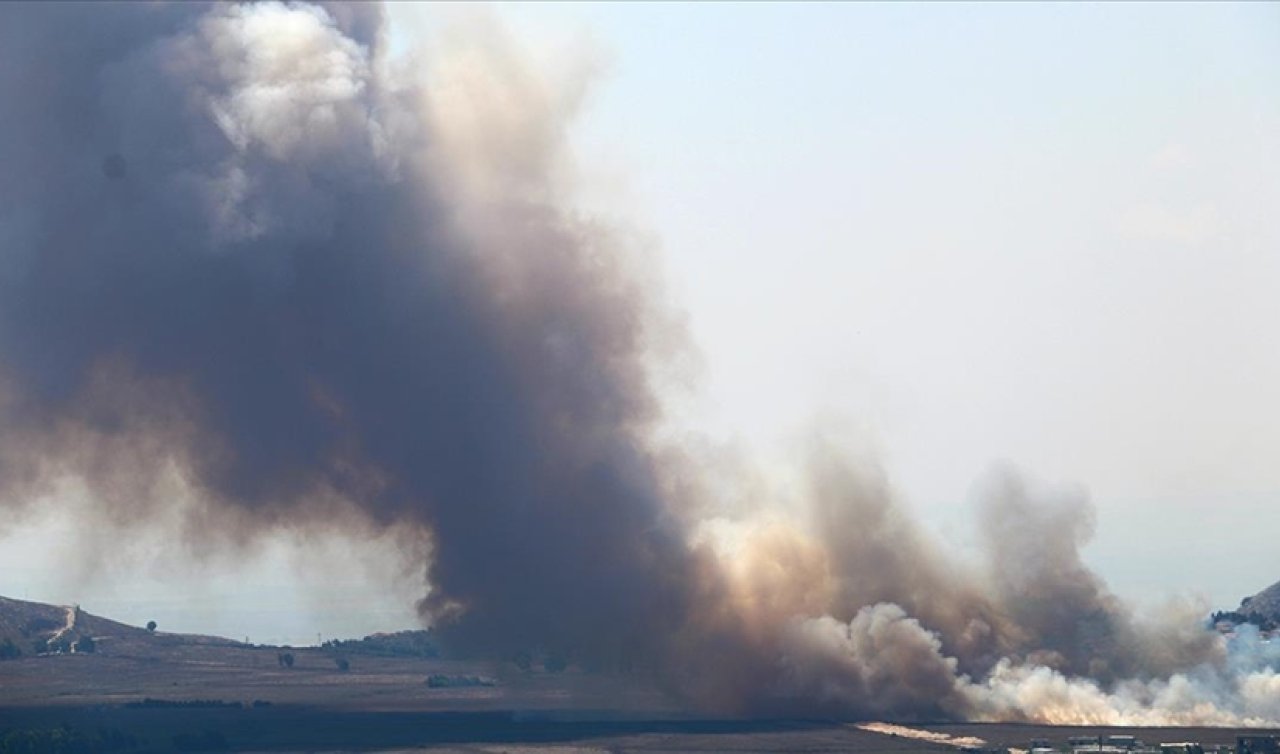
[9,650]
[151,626]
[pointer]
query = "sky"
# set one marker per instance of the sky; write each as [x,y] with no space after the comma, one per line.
[1041,235]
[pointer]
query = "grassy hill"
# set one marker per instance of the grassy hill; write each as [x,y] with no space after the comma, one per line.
[34,628]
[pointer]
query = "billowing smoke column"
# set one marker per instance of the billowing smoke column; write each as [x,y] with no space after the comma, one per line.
[227,242]
[244,256]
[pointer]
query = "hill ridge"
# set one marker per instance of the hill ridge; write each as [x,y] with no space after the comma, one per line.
[38,627]
[1266,603]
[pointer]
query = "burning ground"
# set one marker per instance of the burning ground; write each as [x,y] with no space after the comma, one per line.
[255,272]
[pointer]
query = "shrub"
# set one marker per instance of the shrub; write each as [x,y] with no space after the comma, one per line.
[9,650]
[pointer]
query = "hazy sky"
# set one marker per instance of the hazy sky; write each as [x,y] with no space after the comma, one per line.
[1044,235]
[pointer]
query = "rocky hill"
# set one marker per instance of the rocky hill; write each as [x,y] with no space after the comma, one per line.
[1265,603]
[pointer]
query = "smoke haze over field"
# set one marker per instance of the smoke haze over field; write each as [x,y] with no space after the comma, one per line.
[255,273]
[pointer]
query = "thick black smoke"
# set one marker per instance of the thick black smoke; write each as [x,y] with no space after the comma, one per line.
[243,254]
[213,234]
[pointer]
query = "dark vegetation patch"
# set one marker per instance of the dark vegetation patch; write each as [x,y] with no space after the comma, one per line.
[67,740]
[150,703]
[39,625]
[288,728]
[1263,622]
[397,644]
[441,681]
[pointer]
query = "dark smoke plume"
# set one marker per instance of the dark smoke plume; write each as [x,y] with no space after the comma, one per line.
[247,257]
[279,288]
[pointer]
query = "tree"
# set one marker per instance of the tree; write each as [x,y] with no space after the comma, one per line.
[151,626]
[9,650]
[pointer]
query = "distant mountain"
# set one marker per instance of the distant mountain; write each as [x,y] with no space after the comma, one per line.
[1265,603]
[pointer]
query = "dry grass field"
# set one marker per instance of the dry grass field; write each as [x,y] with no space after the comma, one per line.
[170,692]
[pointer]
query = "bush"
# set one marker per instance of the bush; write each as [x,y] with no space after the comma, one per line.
[440,681]
[342,663]
[9,650]
[84,646]
[151,626]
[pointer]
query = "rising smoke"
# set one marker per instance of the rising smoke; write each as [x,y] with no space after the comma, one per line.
[250,261]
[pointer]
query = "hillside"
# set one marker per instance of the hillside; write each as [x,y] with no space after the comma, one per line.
[1265,603]
[34,628]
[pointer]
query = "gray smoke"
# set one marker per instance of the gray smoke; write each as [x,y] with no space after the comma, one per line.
[266,286]
[255,272]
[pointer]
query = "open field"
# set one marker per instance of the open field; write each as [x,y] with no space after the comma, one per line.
[168,692]
[236,673]
[294,728]
[383,704]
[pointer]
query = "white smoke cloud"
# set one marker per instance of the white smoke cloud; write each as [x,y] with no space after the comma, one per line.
[293,96]
[883,661]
